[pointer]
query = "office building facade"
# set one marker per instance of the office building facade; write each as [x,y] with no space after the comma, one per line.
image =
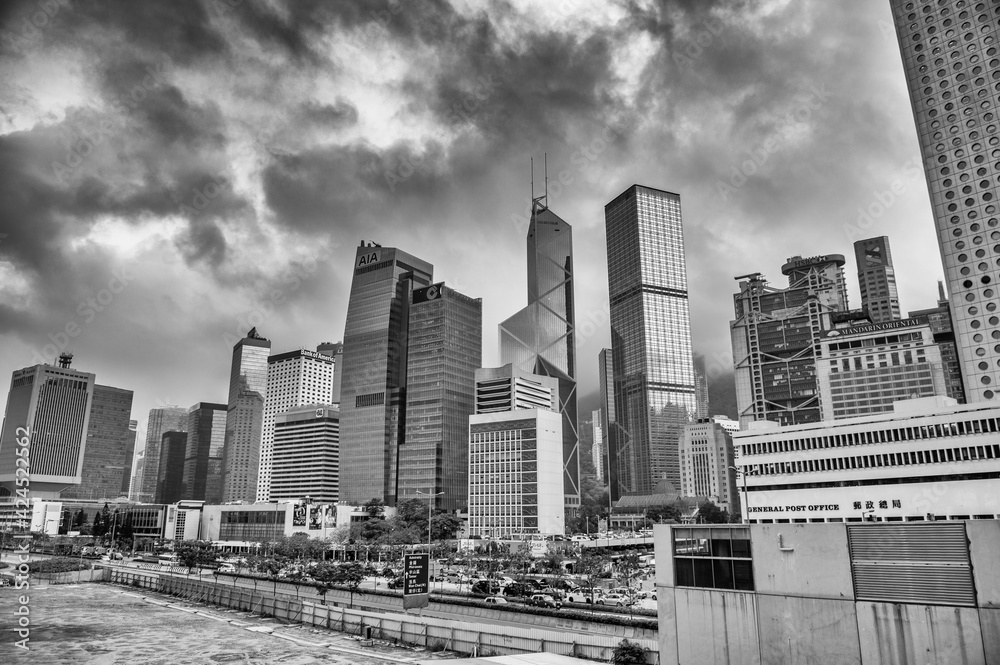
[170,483]
[928,459]
[161,420]
[541,338]
[244,418]
[776,335]
[611,429]
[374,377]
[508,388]
[654,384]
[307,454]
[516,474]
[133,432]
[939,319]
[206,438]
[106,456]
[597,454]
[947,51]
[444,350]
[53,405]
[877,279]
[294,379]
[707,464]
[864,369]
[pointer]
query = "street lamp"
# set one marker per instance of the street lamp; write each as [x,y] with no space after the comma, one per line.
[430,506]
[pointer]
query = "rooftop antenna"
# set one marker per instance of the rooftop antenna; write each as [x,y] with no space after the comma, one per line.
[546,157]
[532,159]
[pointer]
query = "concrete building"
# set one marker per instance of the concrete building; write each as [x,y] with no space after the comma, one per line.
[161,419]
[654,384]
[597,454]
[206,436]
[939,319]
[929,459]
[837,594]
[707,464]
[515,473]
[334,350]
[306,454]
[294,379]
[776,334]
[864,369]
[107,456]
[877,278]
[374,378]
[241,454]
[954,106]
[444,349]
[541,338]
[49,409]
[133,432]
[508,388]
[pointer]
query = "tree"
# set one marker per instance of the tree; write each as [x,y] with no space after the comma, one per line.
[709,513]
[195,553]
[444,526]
[628,653]
[97,530]
[590,565]
[375,509]
[350,575]
[326,575]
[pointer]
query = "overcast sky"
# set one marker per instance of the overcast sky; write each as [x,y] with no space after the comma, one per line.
[199,167]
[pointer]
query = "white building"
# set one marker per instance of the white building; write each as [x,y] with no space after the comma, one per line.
[864,369]
[294,379]
[307,454]
[930,458]
[507,388]
[515,473]
[597,449]
[706,452]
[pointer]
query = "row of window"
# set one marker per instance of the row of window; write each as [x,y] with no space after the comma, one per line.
[906,458]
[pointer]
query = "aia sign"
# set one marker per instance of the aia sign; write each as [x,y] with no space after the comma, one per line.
[367,259]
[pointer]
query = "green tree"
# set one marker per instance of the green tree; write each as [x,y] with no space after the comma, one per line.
[709,513]
[195,553]
[98,528]
[325,573]
[350,575]
[590,565]
[375,509]
[628,653]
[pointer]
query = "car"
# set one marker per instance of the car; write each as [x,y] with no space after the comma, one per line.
[457,578]
[615,599]
[518,589]
[395,583]
[584,595]
[486,588]
[544,600]
[496,600]
[227,568]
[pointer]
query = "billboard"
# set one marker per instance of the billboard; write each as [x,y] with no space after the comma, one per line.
[432,292]
[416,581]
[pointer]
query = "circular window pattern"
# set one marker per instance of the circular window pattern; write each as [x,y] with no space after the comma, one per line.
[983,365]
[980,352]
[985,380]
[988,394]
[977,338]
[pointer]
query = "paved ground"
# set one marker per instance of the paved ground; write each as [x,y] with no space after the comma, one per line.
[100,624]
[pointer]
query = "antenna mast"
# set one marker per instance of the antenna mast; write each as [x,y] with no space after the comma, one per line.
[546,179]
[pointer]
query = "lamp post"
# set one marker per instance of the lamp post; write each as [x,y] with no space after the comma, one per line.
[430,507]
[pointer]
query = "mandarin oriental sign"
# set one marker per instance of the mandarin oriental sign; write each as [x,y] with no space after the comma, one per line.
[877,327]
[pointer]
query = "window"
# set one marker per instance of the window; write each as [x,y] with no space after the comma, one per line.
[713,557]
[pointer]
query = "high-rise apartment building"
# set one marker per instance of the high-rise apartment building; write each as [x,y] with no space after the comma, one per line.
[374,377]
[611,429]
[206,438]
[170,483]
[654,383]
[948,50]
[776,336]
[51,404]
[161,419]
[294,379]
[541,338]
[444,350]
[105,458]
[707,464]
[862,370]
[241,457]
[307,454]
[516,461]
[939,319]
[877,279]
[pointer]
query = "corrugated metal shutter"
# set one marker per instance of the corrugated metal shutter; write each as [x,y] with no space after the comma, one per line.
[912,563]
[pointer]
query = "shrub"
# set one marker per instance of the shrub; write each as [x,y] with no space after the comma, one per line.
[628,653]
[56,566]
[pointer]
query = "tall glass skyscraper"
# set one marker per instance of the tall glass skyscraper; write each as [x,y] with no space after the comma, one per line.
[206,436]
[445,348]
[541,337]
[612,429]
[877,279]
[650,335]
[949,56]
[161,419]
[107,451]
[247,391]
[374,377]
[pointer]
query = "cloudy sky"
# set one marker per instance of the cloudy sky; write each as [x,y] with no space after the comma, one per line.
[174,172]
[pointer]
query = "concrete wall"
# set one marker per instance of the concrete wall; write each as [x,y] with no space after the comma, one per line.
[701,613]
[896,634]
[814,563]
[811,631]
[984,544]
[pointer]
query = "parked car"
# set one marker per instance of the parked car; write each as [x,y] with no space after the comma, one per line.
[615,599]
[227,568]
[485,588]
[496,600]
[584,595]
[518,589]
[544,600]
[457,577]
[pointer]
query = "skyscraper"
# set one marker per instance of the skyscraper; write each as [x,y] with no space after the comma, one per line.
[654,383]
[374,377]
[508,388]
[170,483]
[294,379]
[206,437]
[948,49]
[445,348]
[541,337]
[776,336]
[611,428]
[161,419]
[106,455]
[597,454]
[707,464]
[133,432]
[242,454]
[334,350]
[307,454]
[877,279]
[939,319]
[53,405]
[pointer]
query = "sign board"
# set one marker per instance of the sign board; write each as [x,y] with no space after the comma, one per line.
[416,581]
